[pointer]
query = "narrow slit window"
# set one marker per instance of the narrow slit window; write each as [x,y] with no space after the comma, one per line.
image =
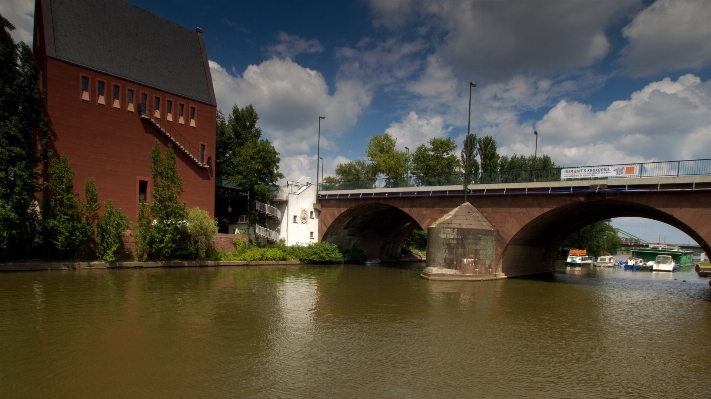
[144,101]
[100,87]
[181,108]
[311,235]
[116,93]
[156,107]
[169,110]
[294,218]
[129,100]
[202,153]
[312,214]
[192,116]
[85,88]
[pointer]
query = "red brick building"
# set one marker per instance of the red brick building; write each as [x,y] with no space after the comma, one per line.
[116,79]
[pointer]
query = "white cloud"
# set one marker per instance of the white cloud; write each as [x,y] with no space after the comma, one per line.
[21,14]
[290,46]
[414,130]
[669,35]
[289,98]
[666,120]
[297,166]
[383,62]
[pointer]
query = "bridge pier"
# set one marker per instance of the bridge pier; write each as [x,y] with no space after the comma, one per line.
[461,245]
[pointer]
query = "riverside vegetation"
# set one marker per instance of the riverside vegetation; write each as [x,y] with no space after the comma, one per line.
[320,252]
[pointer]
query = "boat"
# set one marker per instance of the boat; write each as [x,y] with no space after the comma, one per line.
[635,264]
[605,261]
[663,263]
[578,257]
[703,271]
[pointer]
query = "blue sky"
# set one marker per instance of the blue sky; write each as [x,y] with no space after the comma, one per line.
[601,81]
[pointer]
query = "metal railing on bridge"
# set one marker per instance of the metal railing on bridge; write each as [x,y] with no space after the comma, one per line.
[693,167]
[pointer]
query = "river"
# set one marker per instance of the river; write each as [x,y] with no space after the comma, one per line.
[350,331]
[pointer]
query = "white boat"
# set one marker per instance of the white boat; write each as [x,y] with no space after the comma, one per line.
[663,263]
[605,261]
[580,260]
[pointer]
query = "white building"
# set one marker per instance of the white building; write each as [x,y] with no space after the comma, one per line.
[292,215]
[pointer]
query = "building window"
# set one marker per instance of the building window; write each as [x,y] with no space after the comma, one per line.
[129,100]
[181,108]
[192,116]
[311,235]
[85,88]
[142,190]
[311,214]
[156,107]
[100,87]
[144,102]
[294,218]
[116,93]
[169,110]
[202,153]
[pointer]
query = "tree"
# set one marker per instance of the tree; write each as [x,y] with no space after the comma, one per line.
[168,232]
[489,159]
[109,233]
[598,238]
[90,217]
[470,150]
[436,163]
[23,144]
[385,158]
[350,175]
[65,227]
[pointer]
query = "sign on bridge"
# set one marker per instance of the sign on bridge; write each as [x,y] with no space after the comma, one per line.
[610,171]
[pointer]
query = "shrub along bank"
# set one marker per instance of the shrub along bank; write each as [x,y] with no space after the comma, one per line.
[321,252]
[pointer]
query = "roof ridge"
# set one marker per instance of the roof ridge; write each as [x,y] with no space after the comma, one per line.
[159,16]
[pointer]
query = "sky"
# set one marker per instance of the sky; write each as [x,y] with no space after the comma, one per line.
[602,81]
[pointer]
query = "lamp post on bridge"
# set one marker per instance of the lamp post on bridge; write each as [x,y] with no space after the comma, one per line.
[466,162]
[320,159]
[318,149]
[535,153]
[407,165]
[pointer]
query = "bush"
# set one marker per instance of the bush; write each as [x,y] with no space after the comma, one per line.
[321,252]
[144,233]
[201,230]
[109,231]
[353,255]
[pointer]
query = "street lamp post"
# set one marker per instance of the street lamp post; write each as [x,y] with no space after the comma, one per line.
[407,164]
[466,162]
[535,153]
[318,149]
[321,159]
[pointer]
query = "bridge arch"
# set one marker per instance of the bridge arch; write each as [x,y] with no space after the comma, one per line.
[377,228]
[533,248]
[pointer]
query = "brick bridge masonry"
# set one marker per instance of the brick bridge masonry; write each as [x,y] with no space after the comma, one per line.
[532,220]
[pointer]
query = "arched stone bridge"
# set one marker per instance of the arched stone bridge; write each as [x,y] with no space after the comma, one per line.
[531,220]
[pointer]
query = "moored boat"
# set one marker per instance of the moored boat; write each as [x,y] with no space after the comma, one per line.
[663,263]
[578,257]
[605,261]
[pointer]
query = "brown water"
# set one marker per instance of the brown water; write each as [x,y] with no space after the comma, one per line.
[352,331]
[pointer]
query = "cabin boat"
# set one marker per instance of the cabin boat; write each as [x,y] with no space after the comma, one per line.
[580,261]
[605,261]
[663,263]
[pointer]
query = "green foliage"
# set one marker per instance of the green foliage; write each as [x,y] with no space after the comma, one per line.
[470,151]
[65,226]
[417,240]
[353,255]
[599,239]
[24,147]
[436,161]
[144,232]
[488,159]
[90,217]
[386,160]
[320,252]
[354,174]
[109,233]
[169,235]
[201,230]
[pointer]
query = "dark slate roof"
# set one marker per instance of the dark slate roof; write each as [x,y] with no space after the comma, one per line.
[125,41]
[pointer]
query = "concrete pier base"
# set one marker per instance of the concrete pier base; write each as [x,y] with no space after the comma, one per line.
[461,246]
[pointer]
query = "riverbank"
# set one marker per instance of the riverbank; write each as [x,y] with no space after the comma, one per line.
[37,266]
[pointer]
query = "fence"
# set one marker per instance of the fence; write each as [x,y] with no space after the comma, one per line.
[694,167]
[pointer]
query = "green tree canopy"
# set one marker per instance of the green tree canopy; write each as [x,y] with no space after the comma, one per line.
[385,158]
[598,238]
[65,227]
[436,160]
[167,212]
[23,145]
[488,157]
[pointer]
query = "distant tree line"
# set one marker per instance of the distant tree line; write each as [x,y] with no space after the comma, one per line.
[436,163]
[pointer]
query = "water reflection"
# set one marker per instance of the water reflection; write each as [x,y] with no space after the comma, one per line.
[351,330]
